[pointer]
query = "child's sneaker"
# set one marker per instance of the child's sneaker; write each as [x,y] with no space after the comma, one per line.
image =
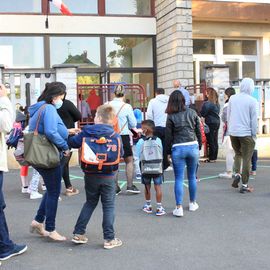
[147,209]
[236,180]
[225,175]
[25,190]
[138,177]
[35,195]
[79,239]
[193,206]
[160,211]
[178,212]
[109,244]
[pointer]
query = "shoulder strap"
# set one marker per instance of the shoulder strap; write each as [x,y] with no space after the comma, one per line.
[42,108]
[120,109]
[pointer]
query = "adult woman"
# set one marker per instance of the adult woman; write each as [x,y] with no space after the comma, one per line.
[183,141]
[53,127]
[226,138]
[210,111]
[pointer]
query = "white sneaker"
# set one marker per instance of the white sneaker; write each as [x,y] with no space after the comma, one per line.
[193,206]
[35,195]
[169,169]
[225,175]
[25,190]
[178,212]
[43,188]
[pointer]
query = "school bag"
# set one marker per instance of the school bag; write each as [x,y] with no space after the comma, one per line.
[151,157]
[101,155]
[115,124]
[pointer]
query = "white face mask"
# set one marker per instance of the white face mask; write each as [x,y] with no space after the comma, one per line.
[58,104]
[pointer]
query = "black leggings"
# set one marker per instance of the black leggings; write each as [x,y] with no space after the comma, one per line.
[65,173]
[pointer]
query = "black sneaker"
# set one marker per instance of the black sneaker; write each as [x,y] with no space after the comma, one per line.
[17,250]
[133,189]
[117,190]
[244,189]
[236,179]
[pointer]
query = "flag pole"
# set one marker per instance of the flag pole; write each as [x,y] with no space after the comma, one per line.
[47,15]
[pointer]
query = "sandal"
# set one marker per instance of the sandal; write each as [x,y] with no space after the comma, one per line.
[38,228]
[55,236]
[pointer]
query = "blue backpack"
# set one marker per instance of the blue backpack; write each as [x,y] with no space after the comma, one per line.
[101,155]
[14,136]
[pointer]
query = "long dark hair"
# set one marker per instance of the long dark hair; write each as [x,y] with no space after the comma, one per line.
[52,90]
[176,103]
[230,91]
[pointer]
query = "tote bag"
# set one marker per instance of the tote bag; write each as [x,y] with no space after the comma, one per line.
[38,150]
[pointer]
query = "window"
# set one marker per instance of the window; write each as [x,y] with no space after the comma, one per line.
[78,6]
[84,51]
[22,52]
[233,70]
[249,69]
[20,6]
[127,52]
[203,46]
[129,7]
[246,47]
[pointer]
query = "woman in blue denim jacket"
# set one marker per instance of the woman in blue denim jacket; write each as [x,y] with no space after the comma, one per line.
[183,141]
[53,127]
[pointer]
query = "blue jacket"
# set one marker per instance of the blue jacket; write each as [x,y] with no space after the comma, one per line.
[50,124]
[98,130]
[210,112]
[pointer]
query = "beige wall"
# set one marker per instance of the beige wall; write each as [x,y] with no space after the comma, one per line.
[204,29]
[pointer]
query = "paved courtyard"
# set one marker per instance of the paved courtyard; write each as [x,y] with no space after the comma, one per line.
[229,231]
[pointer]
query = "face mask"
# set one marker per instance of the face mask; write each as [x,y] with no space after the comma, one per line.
[58,104]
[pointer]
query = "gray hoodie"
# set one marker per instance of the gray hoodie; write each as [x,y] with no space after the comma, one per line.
[242,113]
[156,110]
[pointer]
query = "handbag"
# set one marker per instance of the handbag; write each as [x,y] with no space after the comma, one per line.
[39,152]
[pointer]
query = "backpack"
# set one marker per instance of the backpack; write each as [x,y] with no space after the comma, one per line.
[151,157]
[115,124]
[101,155]
[14,136]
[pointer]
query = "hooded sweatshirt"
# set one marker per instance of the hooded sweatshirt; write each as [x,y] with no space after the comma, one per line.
[156,110]
[242,113]
[50,124]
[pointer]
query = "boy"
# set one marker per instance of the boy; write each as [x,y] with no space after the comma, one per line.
[148,128]
[98,184]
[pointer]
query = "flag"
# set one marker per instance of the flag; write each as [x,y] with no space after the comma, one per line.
[60,5]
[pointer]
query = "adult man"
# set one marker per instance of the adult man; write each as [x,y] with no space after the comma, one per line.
[126,120]
[156,112]
[177,85]
[8,249]
[242,124]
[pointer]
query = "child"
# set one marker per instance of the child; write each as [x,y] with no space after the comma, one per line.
[98,183]
[148,128]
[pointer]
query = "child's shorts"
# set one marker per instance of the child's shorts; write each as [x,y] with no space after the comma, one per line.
[146,180]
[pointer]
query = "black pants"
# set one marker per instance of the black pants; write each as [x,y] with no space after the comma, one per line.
[160,133]
[212,141]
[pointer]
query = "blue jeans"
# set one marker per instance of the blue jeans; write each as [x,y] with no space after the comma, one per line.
[185,155]
[98,186]
[6,245]
[48,206]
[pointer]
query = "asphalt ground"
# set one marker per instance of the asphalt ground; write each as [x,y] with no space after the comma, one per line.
[229,231]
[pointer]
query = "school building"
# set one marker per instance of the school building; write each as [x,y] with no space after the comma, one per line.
[149,42]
